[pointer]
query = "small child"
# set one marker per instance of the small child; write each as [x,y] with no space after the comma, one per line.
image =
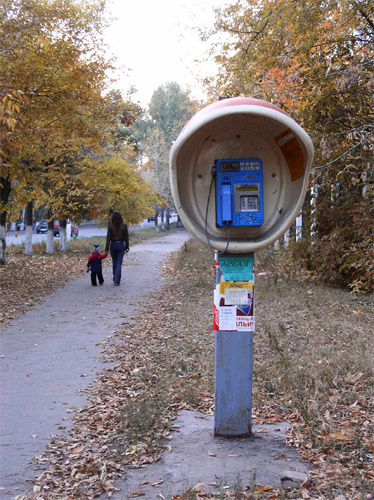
[94,265]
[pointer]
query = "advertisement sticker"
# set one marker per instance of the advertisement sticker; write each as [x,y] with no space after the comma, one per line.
[237,268]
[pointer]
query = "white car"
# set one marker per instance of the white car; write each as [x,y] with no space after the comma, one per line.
[41,226]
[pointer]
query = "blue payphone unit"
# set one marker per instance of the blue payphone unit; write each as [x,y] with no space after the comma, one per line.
[239,192]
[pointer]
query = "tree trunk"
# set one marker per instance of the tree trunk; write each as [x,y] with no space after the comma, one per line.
[2,245]
[156,219]
[28,218]
[306,214]
[162,219]
[49,246]
[5,188]
[299,227]
[168,219]
[63,238]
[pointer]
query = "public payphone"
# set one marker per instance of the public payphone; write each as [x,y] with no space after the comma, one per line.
[239,192]
[262,160]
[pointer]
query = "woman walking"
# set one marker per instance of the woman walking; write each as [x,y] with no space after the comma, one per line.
[118,241]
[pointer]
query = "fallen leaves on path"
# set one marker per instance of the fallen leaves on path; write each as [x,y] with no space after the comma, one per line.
[313,368]
[26,280]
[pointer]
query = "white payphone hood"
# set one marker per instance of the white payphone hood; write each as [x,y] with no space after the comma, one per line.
[240,127]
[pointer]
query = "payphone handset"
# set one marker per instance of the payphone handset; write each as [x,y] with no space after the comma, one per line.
[239,192]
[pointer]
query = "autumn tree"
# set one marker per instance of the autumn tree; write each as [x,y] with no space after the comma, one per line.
[315,60]
[49,55]
[56,116]
[127,121]
[116,184]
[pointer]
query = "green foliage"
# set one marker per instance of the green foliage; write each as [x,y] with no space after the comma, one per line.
[169,111]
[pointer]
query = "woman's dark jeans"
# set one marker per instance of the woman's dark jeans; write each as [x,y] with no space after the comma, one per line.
[117,251]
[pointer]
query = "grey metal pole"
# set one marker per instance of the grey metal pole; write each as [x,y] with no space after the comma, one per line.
[233,374]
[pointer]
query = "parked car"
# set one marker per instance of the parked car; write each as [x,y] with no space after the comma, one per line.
[56,228]
[41,226]
[73,229]
[151,219]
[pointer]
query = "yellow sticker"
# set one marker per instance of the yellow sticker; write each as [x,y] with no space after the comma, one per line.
[247,285]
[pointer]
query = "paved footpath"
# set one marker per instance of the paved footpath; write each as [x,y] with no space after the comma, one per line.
[52,351]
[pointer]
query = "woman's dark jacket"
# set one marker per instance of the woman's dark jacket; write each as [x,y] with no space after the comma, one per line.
[117,234]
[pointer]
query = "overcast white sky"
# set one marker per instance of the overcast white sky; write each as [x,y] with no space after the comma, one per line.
[158,42]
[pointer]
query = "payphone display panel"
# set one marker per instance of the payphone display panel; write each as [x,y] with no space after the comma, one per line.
[239,192]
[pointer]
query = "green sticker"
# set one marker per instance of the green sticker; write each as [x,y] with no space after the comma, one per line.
[237,268]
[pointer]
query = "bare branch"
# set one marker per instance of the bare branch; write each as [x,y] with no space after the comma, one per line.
[345,153]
